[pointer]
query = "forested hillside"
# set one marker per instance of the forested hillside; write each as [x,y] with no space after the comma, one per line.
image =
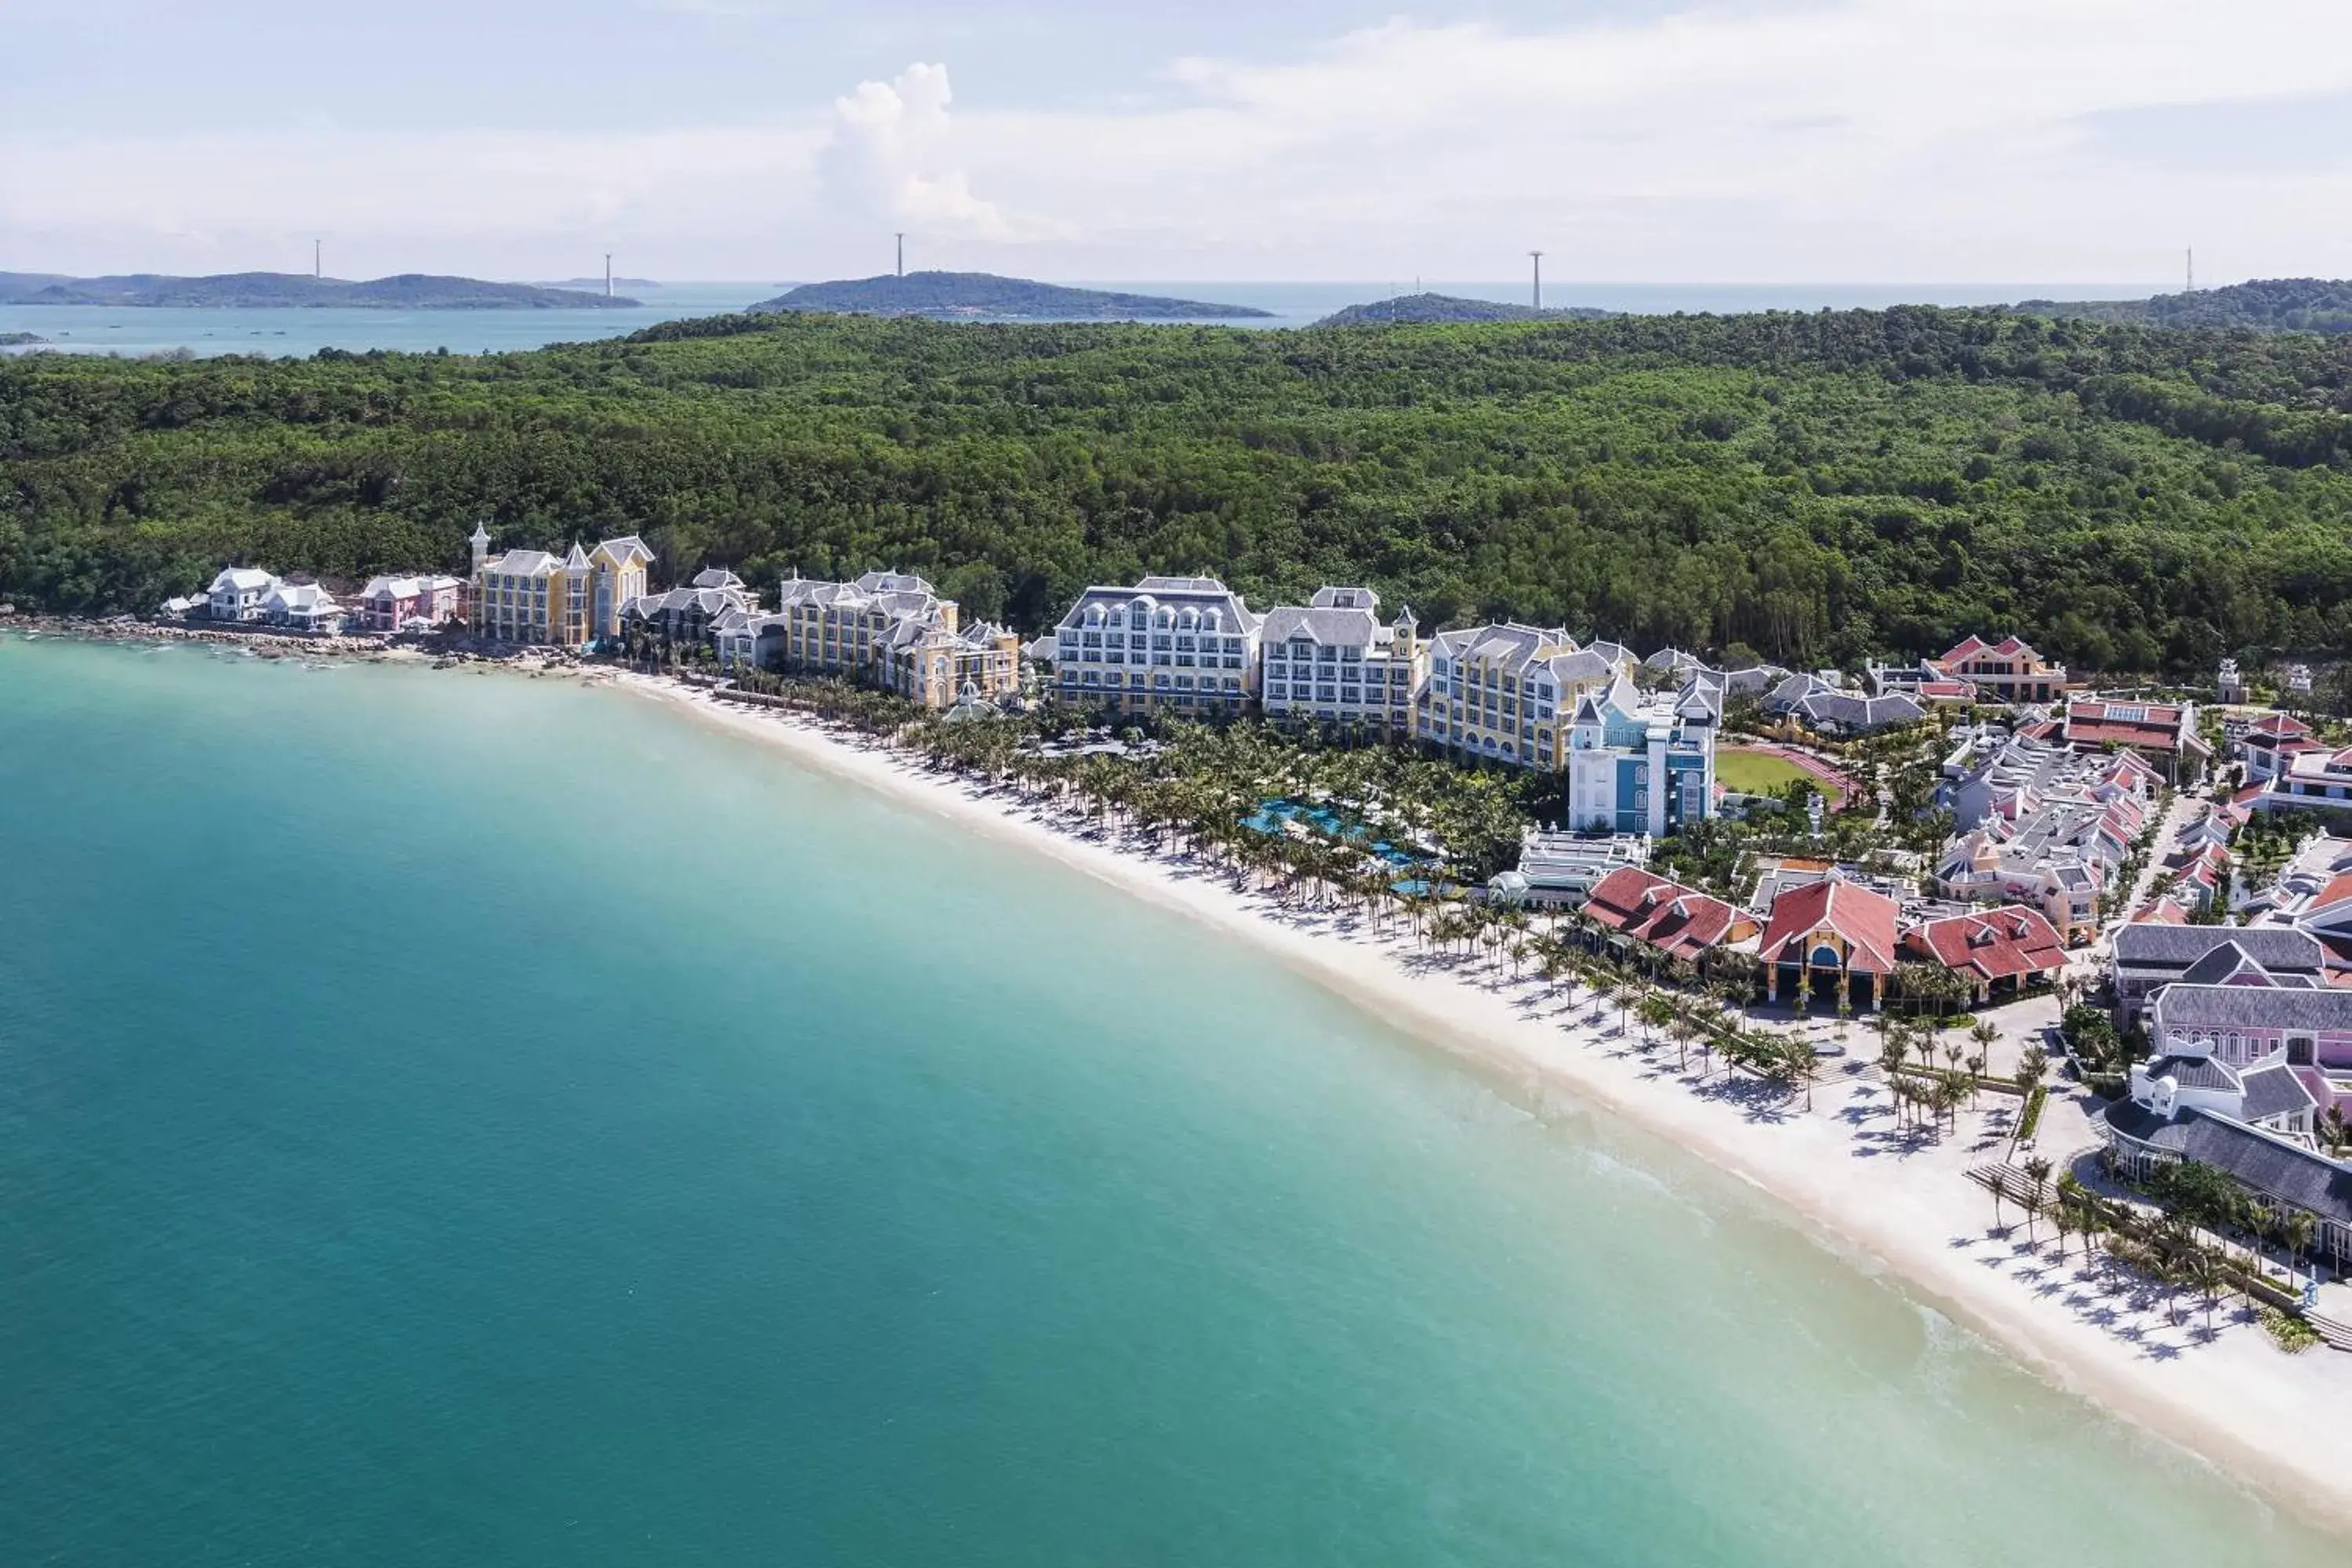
[2268,304]
[1815,487]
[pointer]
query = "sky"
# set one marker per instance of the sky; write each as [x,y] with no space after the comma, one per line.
[1756,141]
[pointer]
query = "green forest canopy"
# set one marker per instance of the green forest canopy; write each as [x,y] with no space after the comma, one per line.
[1816,487]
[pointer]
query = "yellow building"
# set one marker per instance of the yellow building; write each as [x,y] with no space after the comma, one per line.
[530,596]
[1510,692]
[888,629]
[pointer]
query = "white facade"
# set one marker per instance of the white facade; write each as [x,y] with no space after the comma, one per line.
[1334,662]
[302,608]
[1188,645]
[1642,765]
[238,593]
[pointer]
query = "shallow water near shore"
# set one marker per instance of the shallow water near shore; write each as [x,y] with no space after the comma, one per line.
[448,1117]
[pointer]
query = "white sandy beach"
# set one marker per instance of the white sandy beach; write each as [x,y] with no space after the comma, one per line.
[1850,1180]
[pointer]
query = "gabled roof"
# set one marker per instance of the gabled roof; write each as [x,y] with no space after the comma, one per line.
[1679,921]
[1999,944]
[1864,919]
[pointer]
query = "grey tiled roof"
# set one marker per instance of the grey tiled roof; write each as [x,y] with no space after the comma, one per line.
[2274,1091]
[1331,627]
[2171,950]
[2264,1161]
[2184,1007]
[2195,1072]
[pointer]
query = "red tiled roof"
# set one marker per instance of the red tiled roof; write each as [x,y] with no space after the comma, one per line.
[1864,919]
[1947,691]
[2162,913]
[1967,649]
[2284,726]
[2000,944]
[2339,887]
[1679,921]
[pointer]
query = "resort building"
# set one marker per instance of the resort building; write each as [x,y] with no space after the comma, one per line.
[2163,734]
[2150,956]
[1506,693]
[887,629]
[2307,1029]
[689,615]
[1665,917]
[1185,645]
[1831,938]
[530,598]
[938,665]
[238,593]
[1335,663]
[418,603]
[302,608]
[2008,671]
[1820,704]
[1560,869]
[1640,764]
[2312,779]
[1999,953]
[2040,826]
[2277,1170]
[2271,742]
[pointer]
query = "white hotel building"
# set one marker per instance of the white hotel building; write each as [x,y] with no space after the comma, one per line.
[1188,645]
[1333,662]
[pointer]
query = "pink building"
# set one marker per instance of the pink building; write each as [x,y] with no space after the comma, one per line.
[396,604]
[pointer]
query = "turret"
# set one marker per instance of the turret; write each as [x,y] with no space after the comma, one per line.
[480,541]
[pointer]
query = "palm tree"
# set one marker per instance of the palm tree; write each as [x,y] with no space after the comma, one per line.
[1680,1031]
[2298,1231]
[2037,1176]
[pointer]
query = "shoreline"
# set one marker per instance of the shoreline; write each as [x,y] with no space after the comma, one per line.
[2238,1403]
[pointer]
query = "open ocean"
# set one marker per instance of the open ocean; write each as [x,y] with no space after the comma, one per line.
[454,1119]
[89,329]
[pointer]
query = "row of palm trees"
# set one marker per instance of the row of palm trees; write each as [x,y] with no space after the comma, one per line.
[2168,1249]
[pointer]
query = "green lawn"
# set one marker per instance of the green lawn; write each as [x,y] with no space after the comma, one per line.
[1759,773]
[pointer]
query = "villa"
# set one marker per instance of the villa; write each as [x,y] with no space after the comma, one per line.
[1506,692]
[2268,744]
[2008,671]
[1831,938]
[1334,663]
[1185,645]
[390,604]
[2314,778]
[530,598]
[1642,764]
[1563,868]
[2002,951]
[302,608]
[238,594]
[2205,1121]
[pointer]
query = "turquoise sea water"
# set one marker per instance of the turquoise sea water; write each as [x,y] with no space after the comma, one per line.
[457,1118]
[91,328]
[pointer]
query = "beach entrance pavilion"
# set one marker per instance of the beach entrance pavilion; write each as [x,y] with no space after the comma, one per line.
[1829,939]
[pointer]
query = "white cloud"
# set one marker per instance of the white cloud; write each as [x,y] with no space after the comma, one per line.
[890,156]
[1895,139]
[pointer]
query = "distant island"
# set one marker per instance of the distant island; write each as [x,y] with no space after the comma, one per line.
[20,340]
[597,285]
[952,295]
[1424,309]
[2268,304]
[279,290]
